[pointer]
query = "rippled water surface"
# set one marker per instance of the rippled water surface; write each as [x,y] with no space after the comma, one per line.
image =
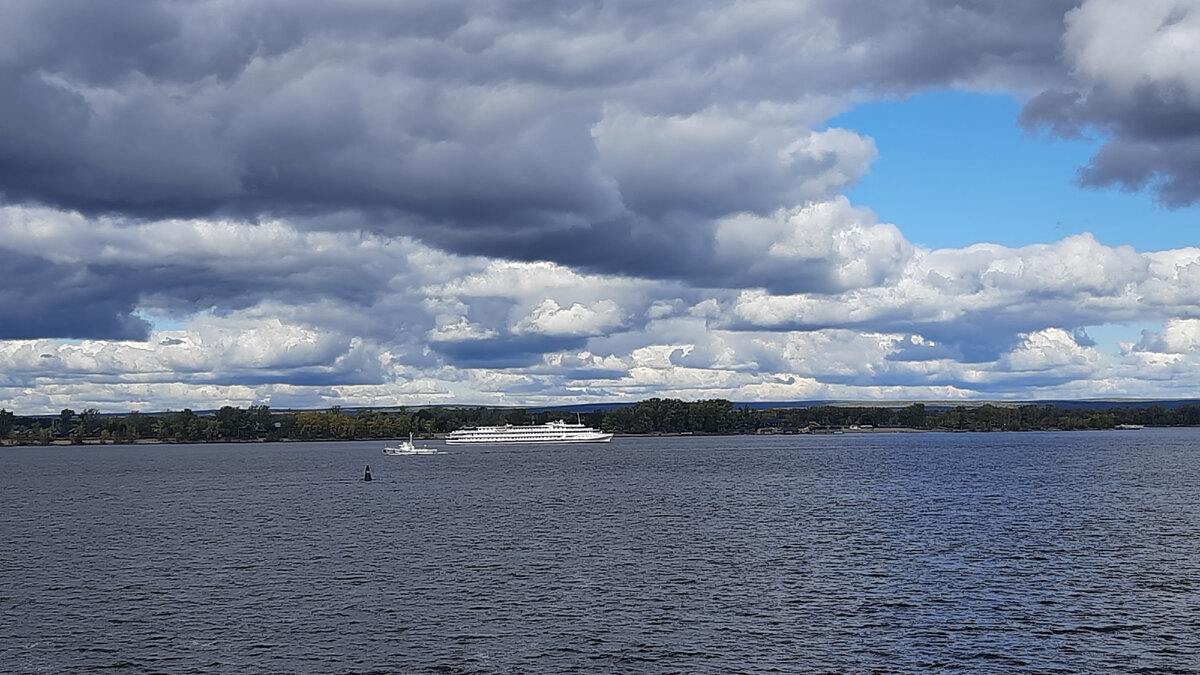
[1035,552]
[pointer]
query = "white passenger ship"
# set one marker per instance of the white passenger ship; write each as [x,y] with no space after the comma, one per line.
[550,432]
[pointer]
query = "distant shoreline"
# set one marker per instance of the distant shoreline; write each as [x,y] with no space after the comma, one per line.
[93,442]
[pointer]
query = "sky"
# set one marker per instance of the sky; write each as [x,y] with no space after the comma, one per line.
[302,204]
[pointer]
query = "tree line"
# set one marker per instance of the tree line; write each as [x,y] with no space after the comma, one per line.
[652,416]
[720,416]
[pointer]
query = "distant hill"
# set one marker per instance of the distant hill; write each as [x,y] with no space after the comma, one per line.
[582,408]
[1082,404]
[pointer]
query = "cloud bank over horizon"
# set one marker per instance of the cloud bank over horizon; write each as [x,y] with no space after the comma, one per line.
[530,203]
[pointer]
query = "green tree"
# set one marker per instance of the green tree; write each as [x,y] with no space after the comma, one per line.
[913,416]
[63,424]
[89,422]
[233,422]
[135,426]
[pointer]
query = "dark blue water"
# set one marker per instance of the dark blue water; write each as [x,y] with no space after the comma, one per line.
[1005,553]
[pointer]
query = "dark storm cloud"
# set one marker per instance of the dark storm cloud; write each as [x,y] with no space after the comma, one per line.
[594,374]
[65,295]
[1137,88]
[279,107]
[917,43]
[471,122]
[976,337]
[1154,144]
[1055,111]
[188,288]
[665,249]
[508,351]
[39,298]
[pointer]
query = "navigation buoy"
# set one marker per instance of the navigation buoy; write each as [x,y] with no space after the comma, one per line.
[367,475]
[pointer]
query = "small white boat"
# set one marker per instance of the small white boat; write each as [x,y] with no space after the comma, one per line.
[407,448]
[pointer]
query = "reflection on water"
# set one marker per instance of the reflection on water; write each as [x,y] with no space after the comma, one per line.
[1035,552]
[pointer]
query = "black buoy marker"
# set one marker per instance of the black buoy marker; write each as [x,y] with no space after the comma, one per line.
[367,475]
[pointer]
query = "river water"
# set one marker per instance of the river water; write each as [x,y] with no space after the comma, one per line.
[1006,553]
